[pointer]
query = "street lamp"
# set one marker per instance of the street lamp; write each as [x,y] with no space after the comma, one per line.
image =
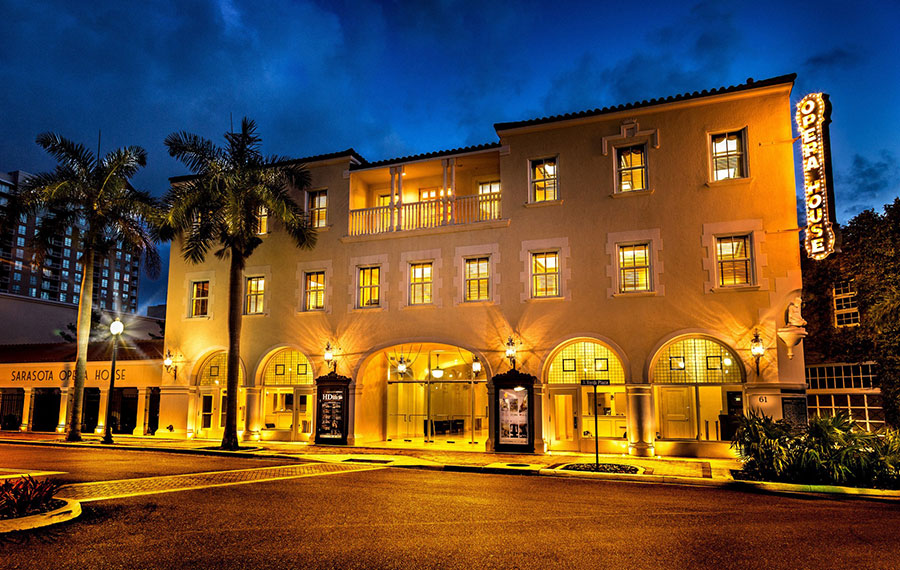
[115,329]
[757,348]
[511,351]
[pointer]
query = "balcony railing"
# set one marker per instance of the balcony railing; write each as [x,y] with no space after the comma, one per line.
[429,214]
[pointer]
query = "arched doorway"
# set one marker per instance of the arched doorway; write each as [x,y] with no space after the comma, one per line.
[698,388]
[212,394]
[433,394]
[288,395]
[574,412]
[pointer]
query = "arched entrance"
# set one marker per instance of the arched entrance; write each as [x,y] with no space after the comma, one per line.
[574,411]
[212,394]
[698,388]
[434,394]
[288,394]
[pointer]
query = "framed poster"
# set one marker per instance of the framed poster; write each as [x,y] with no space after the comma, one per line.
[514,416]
[330,425]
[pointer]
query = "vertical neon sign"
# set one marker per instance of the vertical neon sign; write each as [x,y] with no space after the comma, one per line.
[813,116]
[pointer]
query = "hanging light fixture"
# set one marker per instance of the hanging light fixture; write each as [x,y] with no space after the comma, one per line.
[401,365]
[476,366]
[328,356]
[511,351]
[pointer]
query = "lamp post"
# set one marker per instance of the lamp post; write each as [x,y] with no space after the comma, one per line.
[757,348]
[115,329]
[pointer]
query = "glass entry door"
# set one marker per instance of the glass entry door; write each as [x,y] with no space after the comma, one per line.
[406,411]
[437,411]
[564,419]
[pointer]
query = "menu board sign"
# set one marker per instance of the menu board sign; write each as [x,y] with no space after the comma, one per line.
[513,416]
[332,412]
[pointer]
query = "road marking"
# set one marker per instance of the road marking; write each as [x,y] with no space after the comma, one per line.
[103,490]
[15,473]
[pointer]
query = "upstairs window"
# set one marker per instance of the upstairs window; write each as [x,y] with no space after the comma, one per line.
[545,274]
[631,169]
[478,279]
[256,292]
[199,298]
[733,258]
[315,291]
[729,159]
[369,286]
[846,311]
[420,283]
[262,220]
[544,177]
[634,268]
[318,208]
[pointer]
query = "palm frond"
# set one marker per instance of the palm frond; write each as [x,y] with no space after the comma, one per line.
[67,152]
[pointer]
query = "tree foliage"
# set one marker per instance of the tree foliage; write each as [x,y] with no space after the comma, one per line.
[870,257]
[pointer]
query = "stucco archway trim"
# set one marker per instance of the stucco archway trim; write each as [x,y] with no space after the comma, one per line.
[693,333]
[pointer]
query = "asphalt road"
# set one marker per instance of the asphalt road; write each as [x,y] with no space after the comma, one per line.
[396,518]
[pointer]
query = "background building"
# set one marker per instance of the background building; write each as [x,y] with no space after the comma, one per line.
[642,247]
[116,276]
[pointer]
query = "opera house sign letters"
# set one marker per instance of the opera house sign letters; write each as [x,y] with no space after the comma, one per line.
[813,116]
[61,375]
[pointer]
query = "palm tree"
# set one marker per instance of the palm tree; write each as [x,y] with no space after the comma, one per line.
[92,196]
[218,207]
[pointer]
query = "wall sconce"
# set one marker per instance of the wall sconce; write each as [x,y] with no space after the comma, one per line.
[757,348]
[511,351]
[170,366]
[476,366]
[328,357]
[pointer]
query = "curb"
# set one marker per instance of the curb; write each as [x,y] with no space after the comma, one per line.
[69,511]
[181,450]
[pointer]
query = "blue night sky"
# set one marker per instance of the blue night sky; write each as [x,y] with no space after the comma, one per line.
[396,78]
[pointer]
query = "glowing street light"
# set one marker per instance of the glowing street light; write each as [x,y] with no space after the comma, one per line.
[115,329]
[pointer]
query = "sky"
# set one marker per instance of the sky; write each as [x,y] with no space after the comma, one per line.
[391,79]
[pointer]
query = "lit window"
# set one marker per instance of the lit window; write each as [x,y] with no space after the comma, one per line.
[369,286]
[256,290]
[104,282]
[733,260]
[68,242]
[20,253]
[315,291]
[545,274]
[544,177]
[23,230]
[20,241]
[728,159]
[489,200]
[631,169]
[634,268]
[262,220]
[199,298]
[846,311]
[318,208]
[478,279]
[420,282]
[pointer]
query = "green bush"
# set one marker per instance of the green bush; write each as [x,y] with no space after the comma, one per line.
[831,451]
[24,496]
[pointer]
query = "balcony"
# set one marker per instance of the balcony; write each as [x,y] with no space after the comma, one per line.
[428,214]
[426,192]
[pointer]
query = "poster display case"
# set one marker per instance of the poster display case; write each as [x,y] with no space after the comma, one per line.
[514,409]
[332,409]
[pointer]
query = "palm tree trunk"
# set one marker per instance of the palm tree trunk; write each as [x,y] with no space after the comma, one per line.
[235,312]
[83,335]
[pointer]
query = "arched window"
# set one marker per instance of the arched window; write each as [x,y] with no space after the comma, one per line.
[288,367]
[696,360]
[585,360]
[215,371]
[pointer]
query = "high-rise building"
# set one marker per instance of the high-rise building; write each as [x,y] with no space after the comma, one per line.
[58,279]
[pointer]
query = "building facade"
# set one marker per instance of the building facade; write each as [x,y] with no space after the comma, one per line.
[116,276]
[639,248]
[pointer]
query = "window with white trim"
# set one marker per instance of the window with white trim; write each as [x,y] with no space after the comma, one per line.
[369,287]
[846,311]
[544,176]
[734,260]
[318,208]
[631,168]
[255,295]
[634,268]
[729,158]
[545,274]
[420,283]
[314,291]
[262,220]
[477,275]
[199,298]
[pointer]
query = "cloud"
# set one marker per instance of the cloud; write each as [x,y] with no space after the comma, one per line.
[837,58]
[868,182]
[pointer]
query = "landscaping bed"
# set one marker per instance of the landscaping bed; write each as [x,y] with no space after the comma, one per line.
[601,468]
[26,496]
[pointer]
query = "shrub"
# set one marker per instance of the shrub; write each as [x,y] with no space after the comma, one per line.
[21,497]
[831,450]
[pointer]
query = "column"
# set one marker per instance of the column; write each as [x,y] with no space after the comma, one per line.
[540,443]
[252,426]
[399,170]
[64,394]
[641,424]
[140,421]
[393,221]
[101,412]
[445,192]
[452,194]
[27,412]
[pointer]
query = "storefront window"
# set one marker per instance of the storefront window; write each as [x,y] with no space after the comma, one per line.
[288,386]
